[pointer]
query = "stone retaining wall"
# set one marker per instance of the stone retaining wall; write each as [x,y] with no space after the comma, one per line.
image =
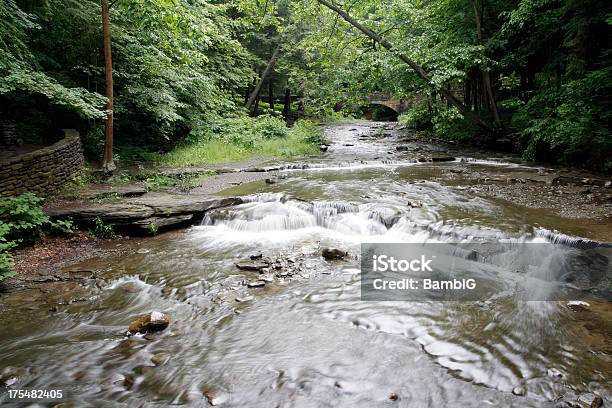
[42,170]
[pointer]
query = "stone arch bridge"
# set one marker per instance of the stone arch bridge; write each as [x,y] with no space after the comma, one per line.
[398,105]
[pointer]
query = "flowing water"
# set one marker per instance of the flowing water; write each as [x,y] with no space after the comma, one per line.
[307,340]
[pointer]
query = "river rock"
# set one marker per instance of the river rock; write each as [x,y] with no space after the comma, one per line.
[323,148]
[402,148]
[256,284]
[518,390]
[577,305]
[586,400]
[160,358]
[151,322]
[442,159]
[333,253]
[270,181]
[252,266]
[590,400]
[553,372]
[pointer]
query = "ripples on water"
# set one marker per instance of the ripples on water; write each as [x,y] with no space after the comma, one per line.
[310,341]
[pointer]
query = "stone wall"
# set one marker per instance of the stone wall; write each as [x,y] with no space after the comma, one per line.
[42,170]
[8,133]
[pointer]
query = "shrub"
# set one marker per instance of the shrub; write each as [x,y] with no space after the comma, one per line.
[24,217]
[23,222]
[417,117]
[102,230]
[6,259]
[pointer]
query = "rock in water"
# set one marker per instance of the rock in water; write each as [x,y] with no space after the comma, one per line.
[151,322]
[256,284]
[577,305]
[333,253]
[323,148]
[252,266]
[518,390]
[590,400]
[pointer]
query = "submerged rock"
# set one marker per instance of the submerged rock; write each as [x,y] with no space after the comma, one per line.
[160,358]
[256,284]
[252,266]
[333,253]
[151,322]
[553,372]
[586,400]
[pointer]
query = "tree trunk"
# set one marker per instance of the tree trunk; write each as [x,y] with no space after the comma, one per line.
[486,75]
[271,92]
[287,107]
[268,69]
[452,99]
[107,164]
[256,108]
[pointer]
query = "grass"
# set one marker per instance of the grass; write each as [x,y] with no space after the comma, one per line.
[301,140]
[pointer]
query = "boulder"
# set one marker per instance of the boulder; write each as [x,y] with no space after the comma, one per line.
[151,322]
[333,253]
[323,148]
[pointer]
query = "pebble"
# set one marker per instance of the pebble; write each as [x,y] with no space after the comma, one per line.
[518,390]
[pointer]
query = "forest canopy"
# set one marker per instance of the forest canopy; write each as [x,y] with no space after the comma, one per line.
[536,73]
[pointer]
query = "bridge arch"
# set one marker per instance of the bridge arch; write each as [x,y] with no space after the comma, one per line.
[380,112]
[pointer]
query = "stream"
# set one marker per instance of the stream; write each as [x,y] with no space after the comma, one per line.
[306,339]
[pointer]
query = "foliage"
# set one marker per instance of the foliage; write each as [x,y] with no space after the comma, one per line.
[23,222]
[102,230]
[241,138]
[6,259]
[417,117]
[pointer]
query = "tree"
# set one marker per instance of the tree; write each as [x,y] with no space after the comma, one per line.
[108,165]
[264,75]
[486,75]
[452,99]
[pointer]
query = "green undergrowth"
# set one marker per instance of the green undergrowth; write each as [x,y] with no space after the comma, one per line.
[235,139]
[22,223]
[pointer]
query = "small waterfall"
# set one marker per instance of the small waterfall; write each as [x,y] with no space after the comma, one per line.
[567,240]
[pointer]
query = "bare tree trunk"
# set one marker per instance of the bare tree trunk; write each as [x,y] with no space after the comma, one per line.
[452,99]
[271,92]
[287,107]
[486,75]
[107,164]
[268,69]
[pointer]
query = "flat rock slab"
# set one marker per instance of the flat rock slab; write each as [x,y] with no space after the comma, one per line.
[165,204]
[111,212]
[162,210]
[105,190]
